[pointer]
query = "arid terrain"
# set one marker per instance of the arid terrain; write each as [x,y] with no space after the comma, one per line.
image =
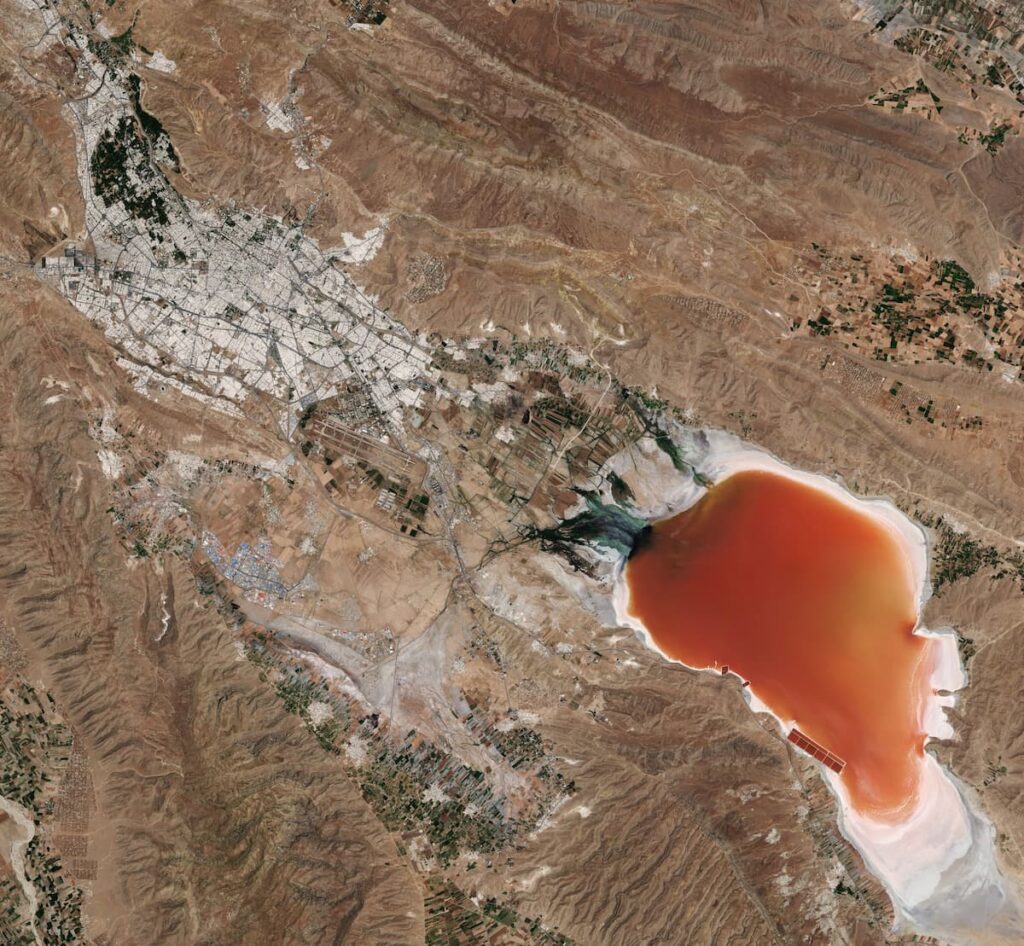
[322,326]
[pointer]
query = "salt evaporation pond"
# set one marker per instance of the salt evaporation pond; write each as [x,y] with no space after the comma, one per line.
[814,604]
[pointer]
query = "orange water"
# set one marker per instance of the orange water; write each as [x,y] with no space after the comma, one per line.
[809,600]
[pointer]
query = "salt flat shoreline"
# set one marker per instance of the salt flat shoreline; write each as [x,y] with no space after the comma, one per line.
[942,845]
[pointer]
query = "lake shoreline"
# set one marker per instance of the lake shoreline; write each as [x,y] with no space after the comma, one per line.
[942,844]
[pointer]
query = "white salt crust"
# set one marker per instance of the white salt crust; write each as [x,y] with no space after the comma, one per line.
[941,853]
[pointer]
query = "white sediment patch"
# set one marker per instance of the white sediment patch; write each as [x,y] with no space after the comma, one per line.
[110,463]
[161,63]
[938,863]
[165,618]
[361,249]
[319,712]
[356,751]
[22,817]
